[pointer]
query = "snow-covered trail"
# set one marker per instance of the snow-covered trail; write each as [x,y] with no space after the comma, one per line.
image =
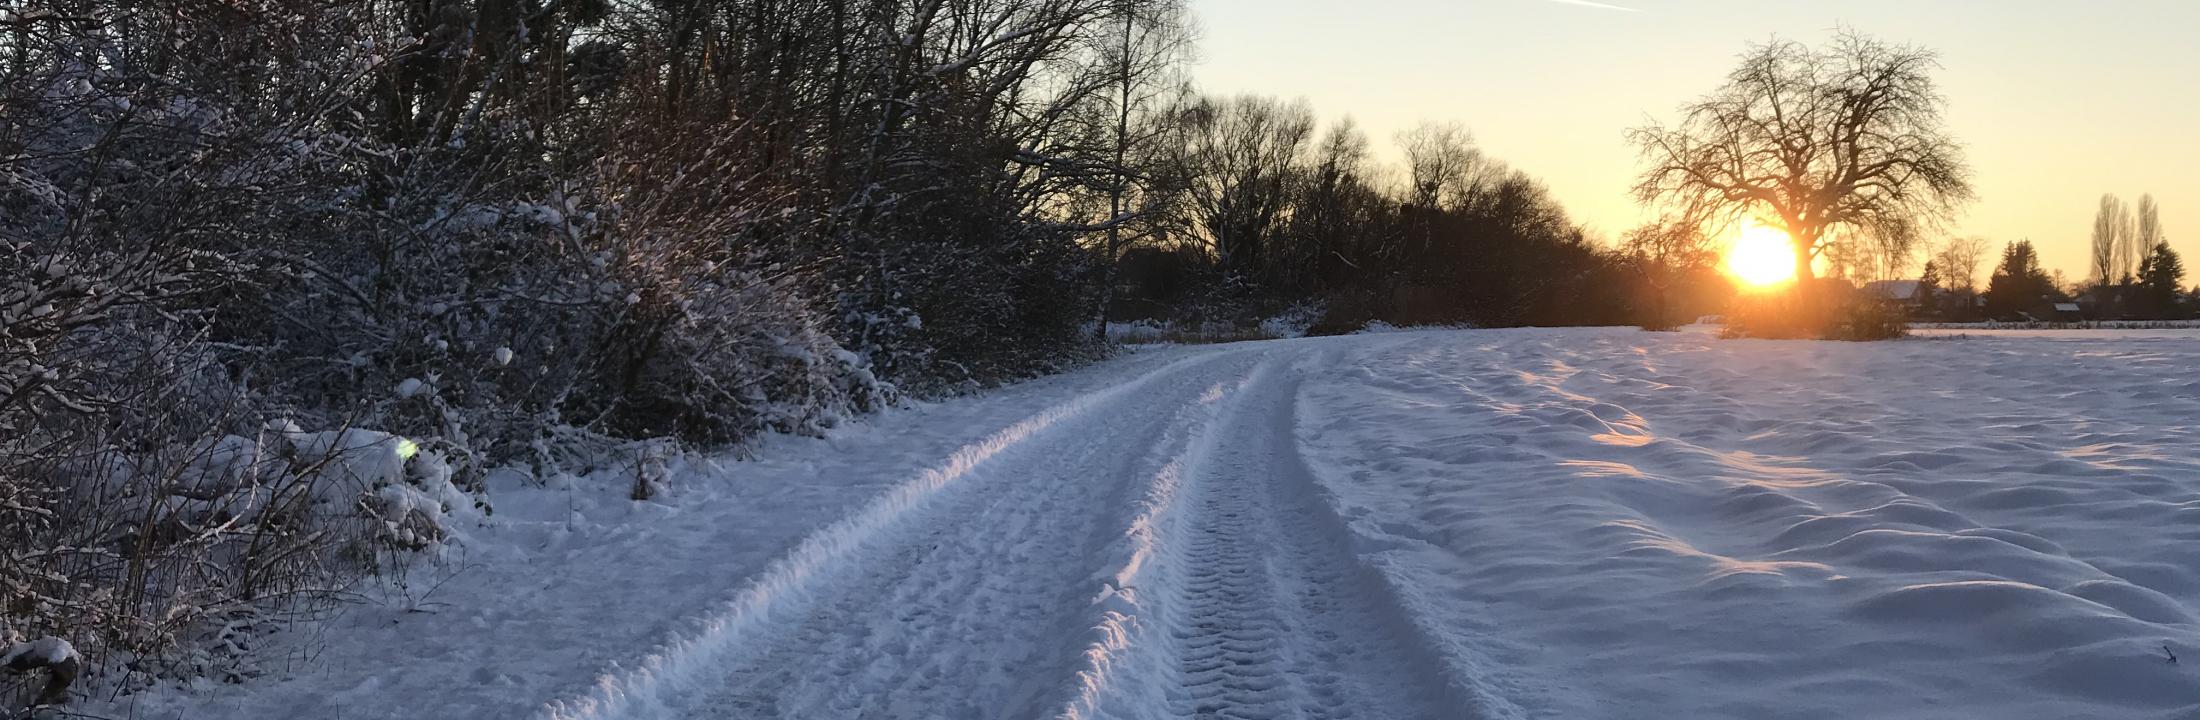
[971,605]
[1155,549]
[1261,608]
[1457,525]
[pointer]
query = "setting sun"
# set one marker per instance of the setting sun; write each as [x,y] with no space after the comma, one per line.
[1762,256]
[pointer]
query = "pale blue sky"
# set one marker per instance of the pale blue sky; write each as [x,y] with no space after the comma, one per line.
[2057,102]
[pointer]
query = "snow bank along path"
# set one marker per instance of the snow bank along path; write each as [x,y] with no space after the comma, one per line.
[1452,524]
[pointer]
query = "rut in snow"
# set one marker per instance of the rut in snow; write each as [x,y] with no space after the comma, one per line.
[1272,616]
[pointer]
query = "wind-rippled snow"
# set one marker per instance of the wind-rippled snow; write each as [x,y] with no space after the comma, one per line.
[1633,525]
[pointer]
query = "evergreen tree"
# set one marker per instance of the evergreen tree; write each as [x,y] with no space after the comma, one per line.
[2159,278]
[2019,287]
[1928,289]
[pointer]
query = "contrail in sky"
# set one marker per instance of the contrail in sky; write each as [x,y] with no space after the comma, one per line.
[1589,3]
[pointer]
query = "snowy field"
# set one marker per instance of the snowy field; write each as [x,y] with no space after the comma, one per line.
[1450,524]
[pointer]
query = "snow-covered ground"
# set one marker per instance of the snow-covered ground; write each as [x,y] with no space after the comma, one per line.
[1446,524]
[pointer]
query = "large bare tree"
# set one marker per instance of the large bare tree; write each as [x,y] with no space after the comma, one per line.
[1830,144]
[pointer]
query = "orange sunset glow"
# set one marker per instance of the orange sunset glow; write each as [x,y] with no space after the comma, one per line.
[1761,257]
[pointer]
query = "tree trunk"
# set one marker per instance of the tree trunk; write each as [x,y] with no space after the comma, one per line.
[1806,247]
[1807,302]
[1122,176]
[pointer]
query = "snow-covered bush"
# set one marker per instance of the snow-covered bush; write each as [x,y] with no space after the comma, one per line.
[119,193]
[55,657]
[618,303]
[1143,331]
[710,337]
[945,293]
[218,267]
[1295,320]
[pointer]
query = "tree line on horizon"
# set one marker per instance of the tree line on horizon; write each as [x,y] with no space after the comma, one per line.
[1255,212]
[2135,276]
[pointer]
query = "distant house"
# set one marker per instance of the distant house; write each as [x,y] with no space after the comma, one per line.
[1907,293]
[2099,302]
[1892,289]
[2056,312]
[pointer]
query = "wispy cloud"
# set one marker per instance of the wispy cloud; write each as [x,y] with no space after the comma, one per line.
[1598,5]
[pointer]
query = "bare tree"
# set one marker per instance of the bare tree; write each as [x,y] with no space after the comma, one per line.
[2130,254]
[2108,247]
[2146,228]
[1341,233]
[1872,257]
[1958,262]
[2115,238]
[1147,55]
[1662,252]
[1830,144]
[1243,156]
[1442,164]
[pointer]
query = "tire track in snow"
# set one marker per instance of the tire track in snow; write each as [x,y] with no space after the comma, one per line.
[1280,624]
[1231,651]
[1120,626]
[798,586]
[1258,606]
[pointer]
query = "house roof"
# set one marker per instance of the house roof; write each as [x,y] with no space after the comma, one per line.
[1893,289]
[2066,307]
